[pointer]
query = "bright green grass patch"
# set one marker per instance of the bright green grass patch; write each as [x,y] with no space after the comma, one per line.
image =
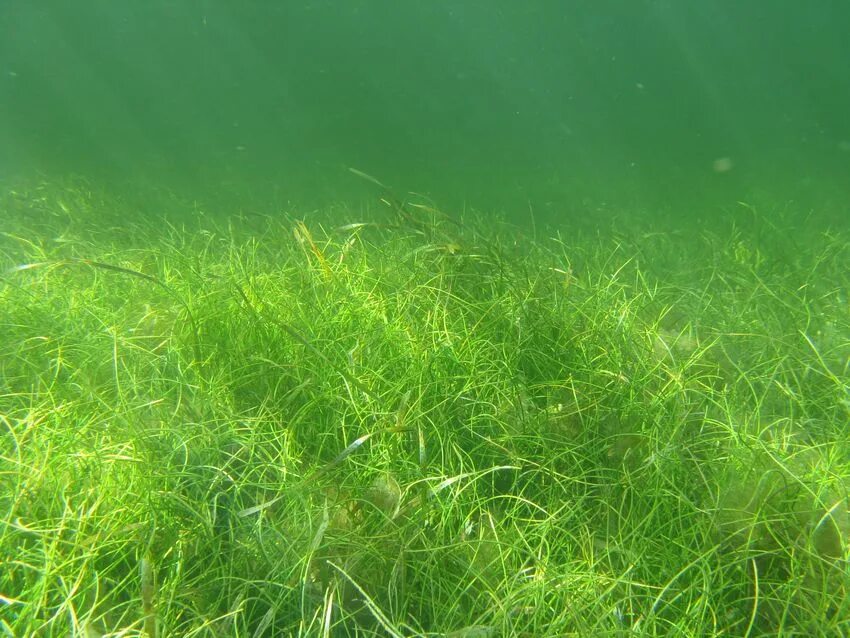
[379,424]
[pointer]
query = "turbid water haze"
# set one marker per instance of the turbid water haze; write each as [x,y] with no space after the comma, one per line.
[496,103]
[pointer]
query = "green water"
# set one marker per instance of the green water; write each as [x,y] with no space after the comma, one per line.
[563,107]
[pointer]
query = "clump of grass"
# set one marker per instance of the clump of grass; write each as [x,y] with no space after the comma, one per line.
[403,424]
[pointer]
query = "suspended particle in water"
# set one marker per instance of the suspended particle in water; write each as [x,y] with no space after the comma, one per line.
[722,165]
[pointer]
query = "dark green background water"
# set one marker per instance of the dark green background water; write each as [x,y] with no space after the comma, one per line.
[568,104]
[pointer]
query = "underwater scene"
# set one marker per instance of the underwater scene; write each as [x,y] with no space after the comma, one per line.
[459,319]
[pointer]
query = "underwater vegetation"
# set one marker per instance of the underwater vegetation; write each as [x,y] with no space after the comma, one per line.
[401,423]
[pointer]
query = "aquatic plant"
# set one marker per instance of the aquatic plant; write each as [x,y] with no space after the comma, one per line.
[262,427]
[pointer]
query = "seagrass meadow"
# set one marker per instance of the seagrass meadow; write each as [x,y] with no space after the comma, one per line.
[398,421]
[444,319]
